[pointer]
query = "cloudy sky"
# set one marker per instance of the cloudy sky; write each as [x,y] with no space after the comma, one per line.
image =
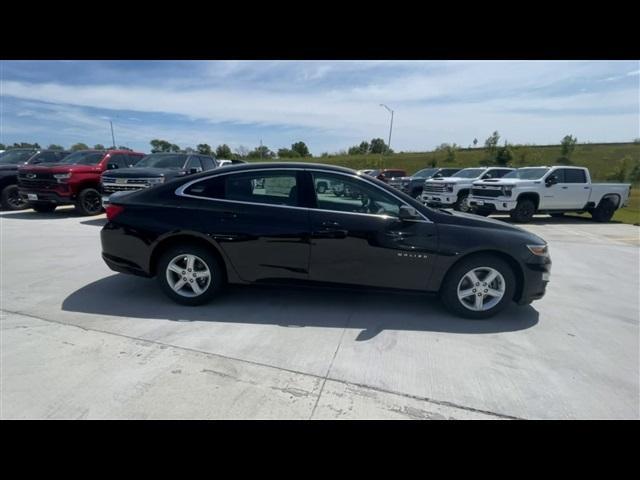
[330,105]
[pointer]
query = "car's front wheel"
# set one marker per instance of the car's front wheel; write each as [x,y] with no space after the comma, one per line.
[11,200]
[523,213]
[89,202]
[478,287]
[463,205]
[189,274]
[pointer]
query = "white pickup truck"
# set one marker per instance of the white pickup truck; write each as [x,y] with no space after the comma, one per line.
[453,192]
[553,190]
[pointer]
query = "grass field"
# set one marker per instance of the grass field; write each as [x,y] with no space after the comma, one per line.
[601,159]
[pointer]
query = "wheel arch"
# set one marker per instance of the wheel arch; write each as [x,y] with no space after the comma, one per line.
[193,238]
[533,196]
[611,196]
[516,267]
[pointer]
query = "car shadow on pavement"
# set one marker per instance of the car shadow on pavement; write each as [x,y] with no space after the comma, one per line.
[98,222]
[132,297]
[57,214]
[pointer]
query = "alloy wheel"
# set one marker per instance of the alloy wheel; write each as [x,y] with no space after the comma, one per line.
[481,288]
[188,275]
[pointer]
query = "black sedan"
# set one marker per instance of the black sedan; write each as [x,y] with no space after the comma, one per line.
[268,223]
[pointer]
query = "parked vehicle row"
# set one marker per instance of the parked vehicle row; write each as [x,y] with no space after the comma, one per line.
[519,192]
[553,190]
[283,222]
[10,161]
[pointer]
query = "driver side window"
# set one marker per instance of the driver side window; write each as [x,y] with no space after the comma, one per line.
[344,194]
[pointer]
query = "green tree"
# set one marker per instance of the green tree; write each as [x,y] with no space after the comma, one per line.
[2,147]
[568,145]
[79,146]
[204,149]
[491,144]
[224,152]
[634,175]
[23,145]
[158,146]
[475,142]
[286,153]
[260,152]
[301,148]
[619,174]
[504,155]
[53,146]
[378,146]
[123,147]
[98,146]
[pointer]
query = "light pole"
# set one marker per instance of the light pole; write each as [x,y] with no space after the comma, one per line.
[390,126]
[113,138]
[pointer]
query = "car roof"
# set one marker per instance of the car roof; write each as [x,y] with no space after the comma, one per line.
[247,167]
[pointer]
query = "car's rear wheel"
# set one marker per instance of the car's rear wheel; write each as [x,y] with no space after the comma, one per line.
[478,287]
[604,211]
[190,274]
[523,213]
[43,207]
[89,202]
[11,200]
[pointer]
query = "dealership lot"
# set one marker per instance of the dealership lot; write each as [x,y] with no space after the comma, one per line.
[80,341]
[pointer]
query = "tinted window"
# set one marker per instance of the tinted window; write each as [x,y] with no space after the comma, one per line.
[500,173]
[424,173]
[133,158]
[119,159]
[16,156]
[84,158]
[559,174]
[163,160]
[345,194]
[44,157]
[574,175]
[448,172]
[207,163]
[277,188]
[194,162]
[527,173]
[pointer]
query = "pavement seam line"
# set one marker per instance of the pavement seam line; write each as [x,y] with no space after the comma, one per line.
[335,354]
[250,362]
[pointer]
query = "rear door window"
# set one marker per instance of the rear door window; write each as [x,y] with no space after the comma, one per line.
[207,162]
[574,175]
[194,162]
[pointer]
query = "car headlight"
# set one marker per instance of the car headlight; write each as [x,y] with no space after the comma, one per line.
[155,181]
[506,190]
[61,177]
[539,250]
[449,187]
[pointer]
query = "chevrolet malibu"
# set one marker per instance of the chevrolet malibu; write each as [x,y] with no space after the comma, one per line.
[269,223]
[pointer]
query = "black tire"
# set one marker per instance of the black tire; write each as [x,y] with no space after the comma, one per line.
[604,211]
[523,213]
[10,199]
[89,202]
[217,277]
[43,207]
[462,204]
[557,215]
[449,288]
[482,211]
[417,193]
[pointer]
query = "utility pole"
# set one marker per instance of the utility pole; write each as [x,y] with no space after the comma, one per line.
[390,126]
[260,149]
[113,138]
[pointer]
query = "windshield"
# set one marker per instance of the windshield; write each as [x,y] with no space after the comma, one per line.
[469,173]
[172,162]
[527,173]
[426,172]
[83,158]
[15,156]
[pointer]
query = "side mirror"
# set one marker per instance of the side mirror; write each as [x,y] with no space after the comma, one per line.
[408,213]
[551,180]
[111,166]
[193,170]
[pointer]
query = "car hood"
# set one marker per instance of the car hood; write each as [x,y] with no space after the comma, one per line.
[61,168]
[505,181]
[450,180]
[477,221]
[146,172]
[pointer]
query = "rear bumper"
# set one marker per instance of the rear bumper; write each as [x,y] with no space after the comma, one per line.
[46,196]
[123,252]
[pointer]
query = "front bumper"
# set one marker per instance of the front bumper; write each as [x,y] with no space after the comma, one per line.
[45,196]
[444,199]
[492,204]
[536,278]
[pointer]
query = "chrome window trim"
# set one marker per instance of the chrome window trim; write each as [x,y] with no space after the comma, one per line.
[180,192]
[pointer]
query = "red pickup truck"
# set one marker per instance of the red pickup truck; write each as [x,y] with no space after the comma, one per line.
[73,181]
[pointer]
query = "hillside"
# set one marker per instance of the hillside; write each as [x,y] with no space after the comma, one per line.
[601,159]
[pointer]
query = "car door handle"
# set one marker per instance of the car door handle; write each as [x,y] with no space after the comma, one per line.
[329,224]
[331,230]
[229,215]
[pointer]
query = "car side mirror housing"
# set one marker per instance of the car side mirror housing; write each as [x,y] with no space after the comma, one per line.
[552,180]
[408,213]
[193,170]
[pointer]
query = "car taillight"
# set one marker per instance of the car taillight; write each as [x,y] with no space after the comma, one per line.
[113,211]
